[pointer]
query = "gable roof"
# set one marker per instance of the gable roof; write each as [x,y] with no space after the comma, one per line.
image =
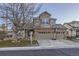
[71,25]
[58,26]
[53,19]
[46,13]
[74,22]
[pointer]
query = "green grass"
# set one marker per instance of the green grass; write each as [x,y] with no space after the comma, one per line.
[9,43]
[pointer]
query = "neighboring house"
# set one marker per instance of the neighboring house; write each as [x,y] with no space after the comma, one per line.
[3,31]
[3,28]
[72,29]
[45,27]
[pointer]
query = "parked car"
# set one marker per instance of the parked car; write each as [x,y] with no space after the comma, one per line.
[53,38]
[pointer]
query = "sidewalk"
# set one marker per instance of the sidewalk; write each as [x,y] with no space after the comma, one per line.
[37,47]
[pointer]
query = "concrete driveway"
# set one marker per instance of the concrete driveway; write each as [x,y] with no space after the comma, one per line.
[58,43]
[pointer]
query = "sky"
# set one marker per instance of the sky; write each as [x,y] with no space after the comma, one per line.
[64,12]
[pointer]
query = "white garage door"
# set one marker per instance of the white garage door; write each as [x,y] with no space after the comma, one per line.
[60,36]
[49,35]
[44,35]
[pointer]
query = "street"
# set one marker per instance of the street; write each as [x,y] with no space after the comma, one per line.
[42,52]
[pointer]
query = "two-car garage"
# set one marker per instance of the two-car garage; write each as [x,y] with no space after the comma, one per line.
[49,35]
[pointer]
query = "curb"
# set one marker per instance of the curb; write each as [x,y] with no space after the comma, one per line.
[35,48]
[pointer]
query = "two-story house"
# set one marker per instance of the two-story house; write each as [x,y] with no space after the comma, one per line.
[45,27]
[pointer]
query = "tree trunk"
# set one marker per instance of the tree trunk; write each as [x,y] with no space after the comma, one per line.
[25,33]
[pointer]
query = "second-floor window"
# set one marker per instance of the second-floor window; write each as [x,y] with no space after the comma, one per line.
[45,21]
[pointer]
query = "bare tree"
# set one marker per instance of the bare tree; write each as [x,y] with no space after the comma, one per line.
[19,14]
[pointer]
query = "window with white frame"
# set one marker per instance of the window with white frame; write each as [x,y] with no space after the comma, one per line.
[45,21]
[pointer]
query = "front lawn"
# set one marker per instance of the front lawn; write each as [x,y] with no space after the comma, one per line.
[19,43]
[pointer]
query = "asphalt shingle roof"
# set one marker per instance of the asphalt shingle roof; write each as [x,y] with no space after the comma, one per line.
[58,26]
